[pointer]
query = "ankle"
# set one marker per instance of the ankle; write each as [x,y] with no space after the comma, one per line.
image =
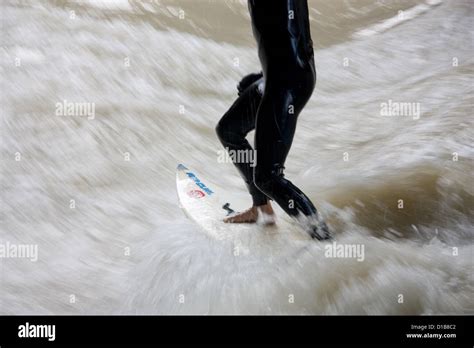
[266,208]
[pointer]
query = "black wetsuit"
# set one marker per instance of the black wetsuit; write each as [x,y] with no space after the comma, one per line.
[270,103]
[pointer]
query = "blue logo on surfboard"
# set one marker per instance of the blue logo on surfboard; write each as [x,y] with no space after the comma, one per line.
[199,183]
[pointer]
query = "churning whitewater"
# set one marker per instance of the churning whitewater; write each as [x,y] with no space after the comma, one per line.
[102,99]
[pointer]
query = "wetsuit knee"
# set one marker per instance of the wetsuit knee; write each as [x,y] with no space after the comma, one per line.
[226,132]
[221,130]
[247,81]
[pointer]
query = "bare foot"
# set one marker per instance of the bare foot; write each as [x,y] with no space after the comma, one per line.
[263,214]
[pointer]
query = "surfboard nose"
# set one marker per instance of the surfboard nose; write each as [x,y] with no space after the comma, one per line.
[181,167]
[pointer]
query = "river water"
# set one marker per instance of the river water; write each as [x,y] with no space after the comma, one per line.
[95,192]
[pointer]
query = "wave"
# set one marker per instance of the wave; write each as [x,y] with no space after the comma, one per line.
[400,18]
[161,109]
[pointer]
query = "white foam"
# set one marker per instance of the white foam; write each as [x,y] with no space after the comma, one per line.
[401,17]
[28,55]
[127,232]
[111,4]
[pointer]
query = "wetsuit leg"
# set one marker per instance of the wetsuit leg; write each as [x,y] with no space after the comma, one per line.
[275,129]
[232,129]
[281,28]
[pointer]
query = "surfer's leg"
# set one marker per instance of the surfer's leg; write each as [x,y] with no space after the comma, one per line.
[232,129]
[276,123]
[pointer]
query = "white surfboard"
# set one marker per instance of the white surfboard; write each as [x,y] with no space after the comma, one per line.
[203,203]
